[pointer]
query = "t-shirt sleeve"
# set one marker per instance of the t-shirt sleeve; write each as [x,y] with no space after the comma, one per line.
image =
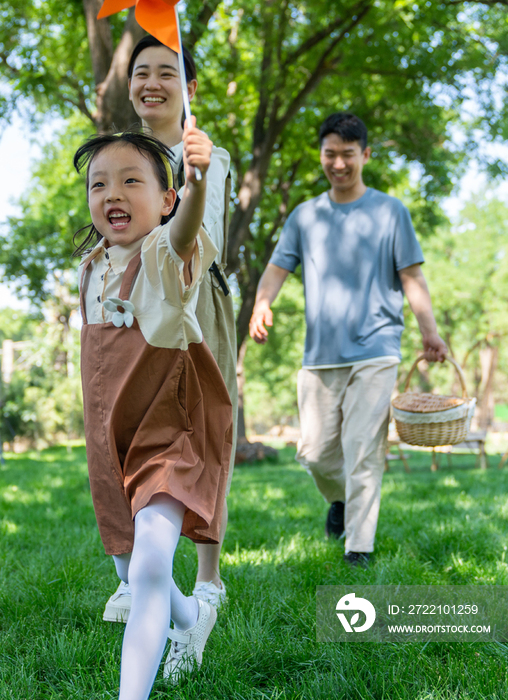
[287,253]
[407,250]
[165,268]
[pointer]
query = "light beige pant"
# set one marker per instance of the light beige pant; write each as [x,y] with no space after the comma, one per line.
[216,316]
[344,416]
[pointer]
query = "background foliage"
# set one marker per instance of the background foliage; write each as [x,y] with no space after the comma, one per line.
[269,73]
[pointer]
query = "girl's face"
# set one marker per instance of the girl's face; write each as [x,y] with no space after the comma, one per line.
[125,196]
[155,89]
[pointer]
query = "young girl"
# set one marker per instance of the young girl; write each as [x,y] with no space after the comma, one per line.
[156,94]
[157,412]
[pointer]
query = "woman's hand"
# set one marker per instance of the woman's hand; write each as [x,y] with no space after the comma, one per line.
[197,152]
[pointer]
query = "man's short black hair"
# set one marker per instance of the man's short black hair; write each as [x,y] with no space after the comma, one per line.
[346,125]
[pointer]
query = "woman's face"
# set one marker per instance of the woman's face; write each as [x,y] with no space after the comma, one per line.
[155,89]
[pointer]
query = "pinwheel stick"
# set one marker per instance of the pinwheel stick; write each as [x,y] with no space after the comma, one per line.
[183,80]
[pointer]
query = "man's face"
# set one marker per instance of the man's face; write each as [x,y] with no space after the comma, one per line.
[343,162]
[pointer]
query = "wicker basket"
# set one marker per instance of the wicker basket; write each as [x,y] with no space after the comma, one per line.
[428,420]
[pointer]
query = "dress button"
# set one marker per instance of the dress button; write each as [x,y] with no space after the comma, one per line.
[107,256]
[98,299]
[102,277]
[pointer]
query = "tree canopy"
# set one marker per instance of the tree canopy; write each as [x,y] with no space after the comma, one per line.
[269,73]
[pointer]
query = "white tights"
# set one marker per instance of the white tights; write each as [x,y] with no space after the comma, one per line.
[156,600]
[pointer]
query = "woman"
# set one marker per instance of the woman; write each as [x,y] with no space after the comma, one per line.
[156,94]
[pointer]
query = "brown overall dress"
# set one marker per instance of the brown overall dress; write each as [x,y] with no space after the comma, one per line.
[157,420]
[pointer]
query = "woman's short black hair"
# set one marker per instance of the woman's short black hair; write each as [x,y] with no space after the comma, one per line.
[148,41]
[148,146]
[346,125]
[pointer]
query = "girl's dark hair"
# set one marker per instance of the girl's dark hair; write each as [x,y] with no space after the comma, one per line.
[346,125]
[149,147]
[148,41]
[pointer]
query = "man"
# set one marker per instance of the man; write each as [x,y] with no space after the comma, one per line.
[359,254]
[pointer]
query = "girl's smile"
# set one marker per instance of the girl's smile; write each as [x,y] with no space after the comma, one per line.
[118,218]
[124,194]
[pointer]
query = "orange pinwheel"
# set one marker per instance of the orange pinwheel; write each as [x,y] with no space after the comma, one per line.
[157,17]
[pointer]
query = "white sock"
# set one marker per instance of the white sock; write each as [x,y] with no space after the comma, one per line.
[155,596]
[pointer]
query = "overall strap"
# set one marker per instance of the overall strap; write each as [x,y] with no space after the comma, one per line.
[227,199]
[129,277]
[85,278]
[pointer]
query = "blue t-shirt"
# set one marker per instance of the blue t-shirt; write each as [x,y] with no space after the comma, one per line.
[350,256]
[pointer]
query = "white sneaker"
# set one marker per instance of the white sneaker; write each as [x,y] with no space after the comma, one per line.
[118,606]
[208,591]
[187,646]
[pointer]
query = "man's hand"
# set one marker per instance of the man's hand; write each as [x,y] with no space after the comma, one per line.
[417,293]
[434,348]
[269,286]
[261,316]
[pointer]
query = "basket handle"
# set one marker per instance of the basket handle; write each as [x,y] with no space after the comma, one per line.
[458,369]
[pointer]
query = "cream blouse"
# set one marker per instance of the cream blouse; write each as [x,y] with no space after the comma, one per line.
[164,306]
[213,218]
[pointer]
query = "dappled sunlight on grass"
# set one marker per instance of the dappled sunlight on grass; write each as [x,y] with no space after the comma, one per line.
[447,527]
[13,494]
[7,527]
[296,549]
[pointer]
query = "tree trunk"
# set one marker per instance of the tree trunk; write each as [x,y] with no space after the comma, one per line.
[99,39]
[114,109]
[488,363]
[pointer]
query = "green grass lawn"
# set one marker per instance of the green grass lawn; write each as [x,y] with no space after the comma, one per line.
[448,527]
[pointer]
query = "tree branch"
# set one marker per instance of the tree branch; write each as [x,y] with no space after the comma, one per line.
[258,131]
[283,23]
[99,39]
[200,24]
[323,67]
[79,101]
[312,41]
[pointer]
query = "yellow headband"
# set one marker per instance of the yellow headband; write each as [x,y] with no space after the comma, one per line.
[169,171]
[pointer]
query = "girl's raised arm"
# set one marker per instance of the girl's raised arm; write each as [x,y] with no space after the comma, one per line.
[197,152]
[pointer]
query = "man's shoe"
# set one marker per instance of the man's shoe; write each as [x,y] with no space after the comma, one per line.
[357,558]
[209,592]
[187,646]
[118,606]
[334,526]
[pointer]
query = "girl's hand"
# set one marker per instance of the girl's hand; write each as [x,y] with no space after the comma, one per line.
[197,151]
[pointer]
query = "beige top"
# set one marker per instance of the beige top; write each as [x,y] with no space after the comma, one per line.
[213,219]
[164,306]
